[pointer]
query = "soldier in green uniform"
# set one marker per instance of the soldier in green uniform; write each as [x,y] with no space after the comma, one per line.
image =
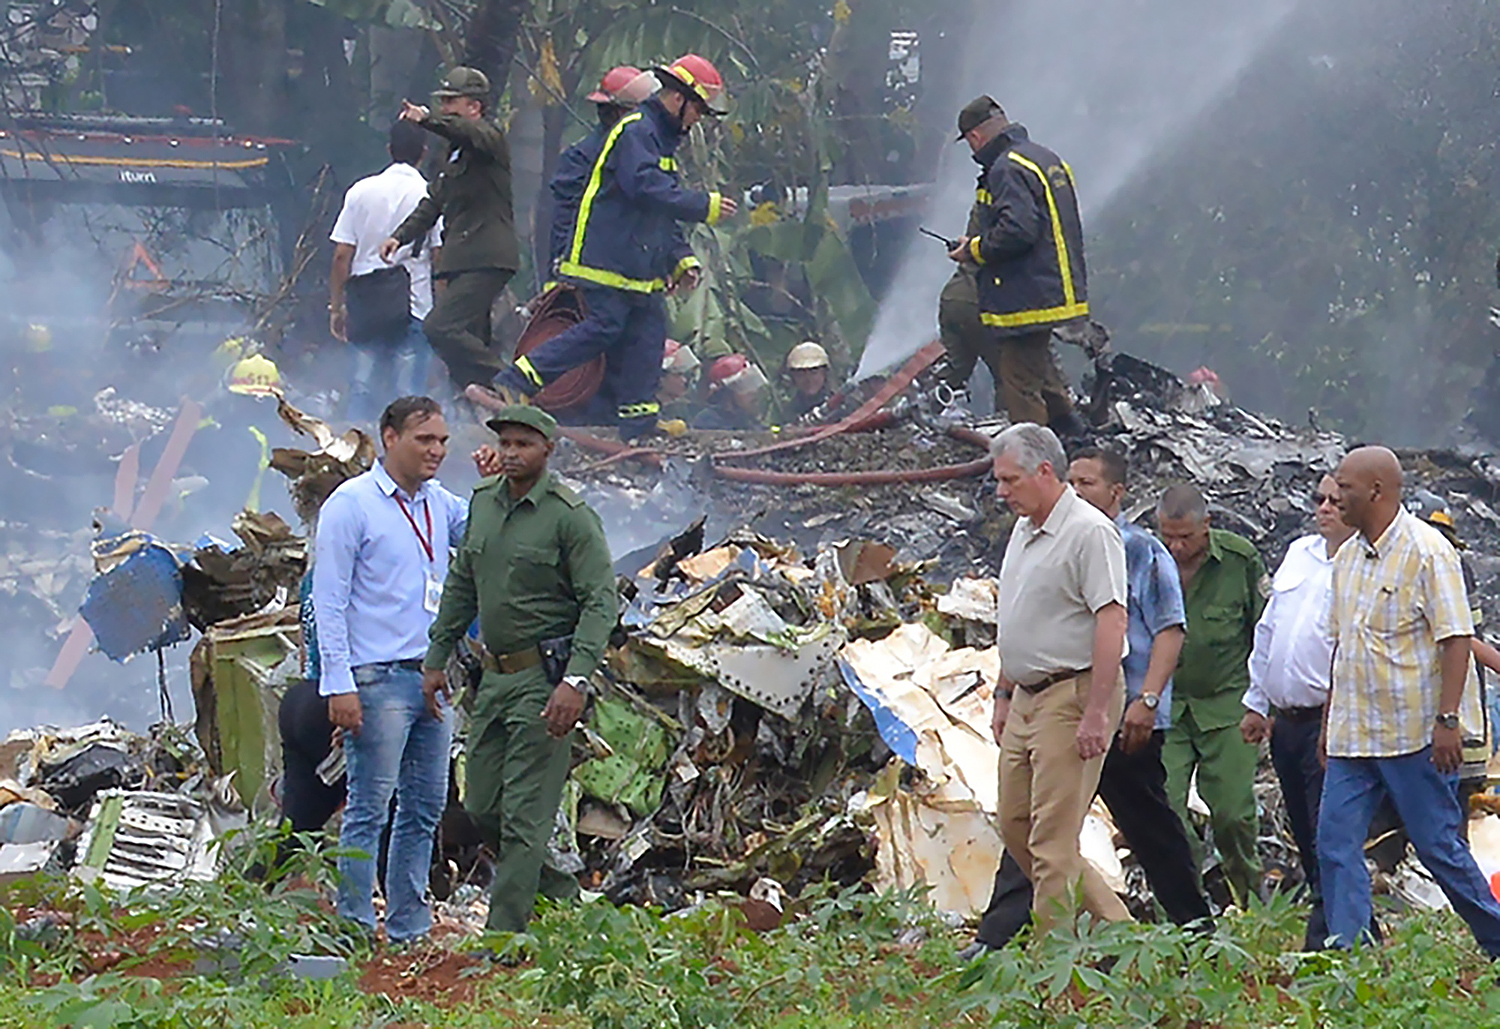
[535,567]
[1225,586]
[472,194]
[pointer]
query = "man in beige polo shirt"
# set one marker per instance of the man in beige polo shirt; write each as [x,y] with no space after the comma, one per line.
[1062,634]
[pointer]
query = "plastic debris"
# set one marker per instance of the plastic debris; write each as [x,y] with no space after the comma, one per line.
[28,823]
[316,966]
[19,860]
[932,705]
[135,604]
[74,774]
[631,774]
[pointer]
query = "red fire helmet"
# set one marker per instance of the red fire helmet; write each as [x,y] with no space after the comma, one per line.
[615,80]
[698,76]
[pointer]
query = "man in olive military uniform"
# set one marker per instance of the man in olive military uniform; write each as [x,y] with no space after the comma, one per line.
[472,194]
[535,567]
[1225,587]
[1024,250]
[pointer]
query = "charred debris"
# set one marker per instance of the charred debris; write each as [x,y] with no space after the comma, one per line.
[799,687]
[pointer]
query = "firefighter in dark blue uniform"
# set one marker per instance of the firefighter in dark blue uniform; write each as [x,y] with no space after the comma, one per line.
[627,249]
[1027,252]
[620,92]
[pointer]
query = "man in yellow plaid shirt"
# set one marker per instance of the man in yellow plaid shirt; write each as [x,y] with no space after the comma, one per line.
[1402,628]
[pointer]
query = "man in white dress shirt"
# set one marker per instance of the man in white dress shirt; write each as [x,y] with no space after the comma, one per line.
[1289,670]
[391,354]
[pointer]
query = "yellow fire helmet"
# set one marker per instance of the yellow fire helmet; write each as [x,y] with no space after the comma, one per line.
[255,376]
[232,349]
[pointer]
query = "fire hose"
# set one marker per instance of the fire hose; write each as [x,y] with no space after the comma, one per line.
[886,477]
[866,411]
[613,450]
[867,416]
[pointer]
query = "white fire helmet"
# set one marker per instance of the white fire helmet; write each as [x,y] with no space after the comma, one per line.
[807,355]
[679,357]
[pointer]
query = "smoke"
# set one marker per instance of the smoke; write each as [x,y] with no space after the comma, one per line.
[1105,85]
[71,282]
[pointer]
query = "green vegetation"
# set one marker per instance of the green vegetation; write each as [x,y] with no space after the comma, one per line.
[842,958]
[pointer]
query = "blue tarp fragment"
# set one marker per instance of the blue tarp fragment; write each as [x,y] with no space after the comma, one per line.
[137,605]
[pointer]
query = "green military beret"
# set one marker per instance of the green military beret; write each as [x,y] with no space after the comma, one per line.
[531,417]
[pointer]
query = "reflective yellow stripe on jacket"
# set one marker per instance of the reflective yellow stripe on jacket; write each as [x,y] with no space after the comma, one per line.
[574,267]
[1071,306]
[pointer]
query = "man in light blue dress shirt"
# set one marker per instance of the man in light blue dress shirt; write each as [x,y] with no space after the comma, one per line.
[382,554]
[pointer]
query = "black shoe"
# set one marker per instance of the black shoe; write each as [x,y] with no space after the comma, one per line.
[973,952]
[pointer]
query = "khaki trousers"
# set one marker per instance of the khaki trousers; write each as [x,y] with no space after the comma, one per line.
[1045,792]
[965,337]
[1030,380]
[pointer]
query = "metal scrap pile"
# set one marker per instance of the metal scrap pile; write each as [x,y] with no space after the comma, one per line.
[728,750]
[243,600]
[775,717]
[1260,474]
[798,701]
[126,809]
[48,460]
[112,806]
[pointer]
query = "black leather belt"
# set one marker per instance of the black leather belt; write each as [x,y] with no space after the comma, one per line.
[1034,688]
[1300,714]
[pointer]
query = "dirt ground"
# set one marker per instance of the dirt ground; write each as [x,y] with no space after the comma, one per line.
[431,975]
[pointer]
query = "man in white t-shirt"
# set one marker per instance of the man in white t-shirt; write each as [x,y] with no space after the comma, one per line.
[391,354]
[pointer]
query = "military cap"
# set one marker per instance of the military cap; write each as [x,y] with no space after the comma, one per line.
[464,82]
[976,112]
[531,417]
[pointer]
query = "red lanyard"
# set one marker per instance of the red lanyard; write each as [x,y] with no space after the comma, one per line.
[427,540]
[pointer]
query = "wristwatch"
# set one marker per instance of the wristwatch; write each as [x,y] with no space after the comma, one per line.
[1151,700]
[581,683]
[1447,721]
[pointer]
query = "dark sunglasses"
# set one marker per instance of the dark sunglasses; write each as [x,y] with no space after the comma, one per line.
[1319,499]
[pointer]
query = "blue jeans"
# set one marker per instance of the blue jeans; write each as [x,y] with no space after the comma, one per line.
[400,750]
[385,369]
[1427,801]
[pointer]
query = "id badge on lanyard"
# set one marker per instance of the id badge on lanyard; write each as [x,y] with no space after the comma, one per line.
[432,591]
